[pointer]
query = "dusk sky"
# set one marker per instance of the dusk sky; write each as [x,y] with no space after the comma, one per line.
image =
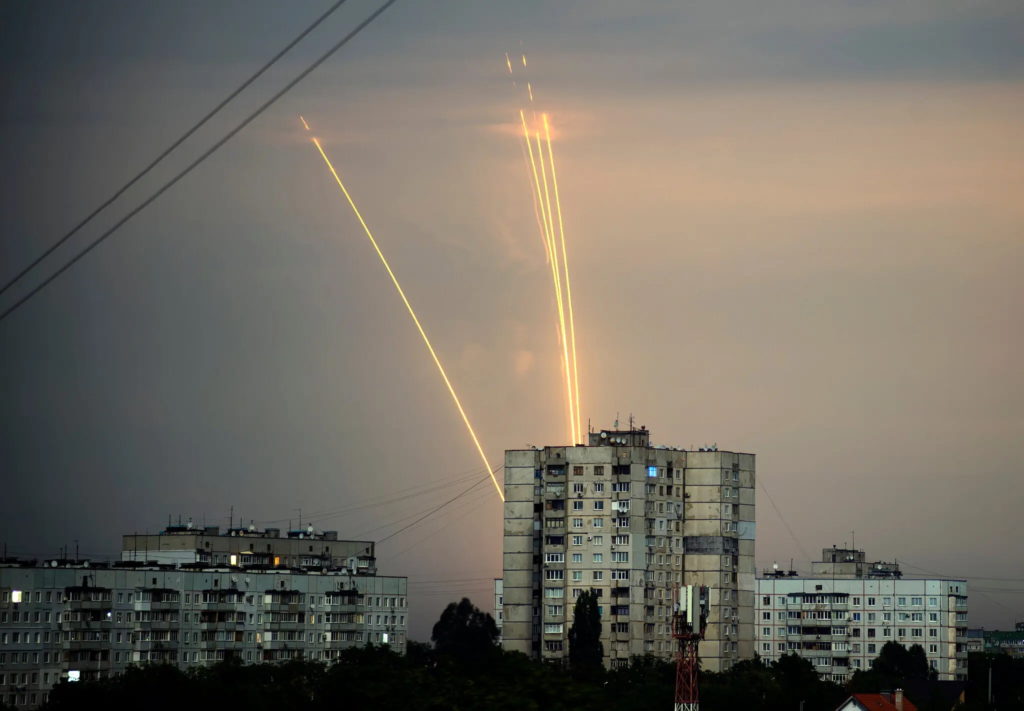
[795,228]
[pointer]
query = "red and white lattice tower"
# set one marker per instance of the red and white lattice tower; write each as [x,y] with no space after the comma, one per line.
[689,620]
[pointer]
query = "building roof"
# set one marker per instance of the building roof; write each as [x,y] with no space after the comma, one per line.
[879,702]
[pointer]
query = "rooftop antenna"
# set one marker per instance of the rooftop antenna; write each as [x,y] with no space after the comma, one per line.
[231,518]
[631,422]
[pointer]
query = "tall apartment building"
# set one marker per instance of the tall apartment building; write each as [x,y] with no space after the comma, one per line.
[847,609]
[633,522]
[79,619]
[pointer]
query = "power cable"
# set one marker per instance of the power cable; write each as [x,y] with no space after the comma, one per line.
[210,151]
[784,522]
[435,510]
[375,502]
[169,149]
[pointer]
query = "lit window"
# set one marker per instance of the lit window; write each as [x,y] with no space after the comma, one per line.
[15,595]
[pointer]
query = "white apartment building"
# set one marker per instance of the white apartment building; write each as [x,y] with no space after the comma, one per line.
[841,616]
[633,522]
[79,619]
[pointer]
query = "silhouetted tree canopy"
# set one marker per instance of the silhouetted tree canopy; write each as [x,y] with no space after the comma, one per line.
[464,632]
[585,648]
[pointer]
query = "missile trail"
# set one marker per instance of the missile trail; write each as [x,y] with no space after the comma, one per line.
[558,290]
[565,267]
[412,313]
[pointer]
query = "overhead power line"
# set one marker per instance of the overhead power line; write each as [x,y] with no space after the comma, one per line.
[167,151]
[210,151]
[438,508]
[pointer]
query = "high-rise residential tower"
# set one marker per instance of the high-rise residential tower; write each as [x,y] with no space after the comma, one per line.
[633,522]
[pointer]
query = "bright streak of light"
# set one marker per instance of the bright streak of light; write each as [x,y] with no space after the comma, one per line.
[546,225]
[524,60]
[508,62]
[565,267]
[558,292]
[304,122]
[529,88]
[541,218]
[408,306]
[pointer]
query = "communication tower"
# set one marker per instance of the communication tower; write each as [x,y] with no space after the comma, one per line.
[689,620]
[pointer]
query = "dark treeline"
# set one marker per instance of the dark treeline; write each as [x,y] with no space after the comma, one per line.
[465,670]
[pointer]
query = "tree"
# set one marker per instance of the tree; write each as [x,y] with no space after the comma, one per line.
[464,632]
[585,648]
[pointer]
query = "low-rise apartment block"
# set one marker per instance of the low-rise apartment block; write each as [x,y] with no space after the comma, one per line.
[842,615]
[75,620]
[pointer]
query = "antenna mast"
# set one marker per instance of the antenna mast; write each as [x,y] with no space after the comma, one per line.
[689,620]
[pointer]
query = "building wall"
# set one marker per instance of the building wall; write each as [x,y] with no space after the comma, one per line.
[633,523]
[56,621]
[842,624]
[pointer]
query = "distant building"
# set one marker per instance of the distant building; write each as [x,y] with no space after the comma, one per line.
[1005,642]
[499,602]
[248,546]
[633,522]
[78,620]
[975,640]
[841,620]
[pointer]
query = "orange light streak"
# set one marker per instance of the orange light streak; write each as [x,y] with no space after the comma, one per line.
[565,267]
[304,122]
[508,62]
[529,88]
[558,292]
[412,313]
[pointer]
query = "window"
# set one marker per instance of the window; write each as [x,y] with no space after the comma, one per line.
[620,575]
[553,628]
[577,540]
[766,600]
[598,540]
[871,630]
[916,601]
[933,617]
[766,631]
[577,505]
[598,506]
[577,576]
[599,487]
[598,523]
[620,539]
[933,601]
[856,616]
[766,615]
[856,601]
[555,610]
[871,601]
[577,487]
[599,470]
[554,557]
[554,593]
[872,648]
[577,471]
[577,557]
[598,575]
[620,556]
[620,486]
[901,601]
[554,575]
[577,523]
[598,557]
